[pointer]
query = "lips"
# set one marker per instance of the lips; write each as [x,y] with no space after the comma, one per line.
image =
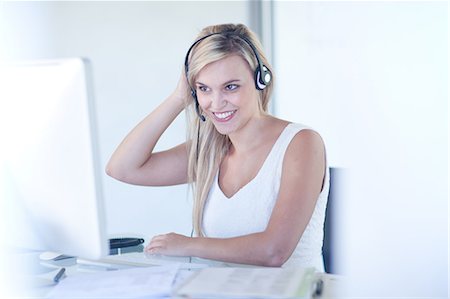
[224,116]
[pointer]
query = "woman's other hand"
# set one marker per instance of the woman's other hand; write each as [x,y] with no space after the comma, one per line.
[169,244]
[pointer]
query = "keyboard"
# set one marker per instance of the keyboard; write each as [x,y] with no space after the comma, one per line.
[141,259]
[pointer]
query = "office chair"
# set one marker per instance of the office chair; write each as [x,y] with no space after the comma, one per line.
[329,249]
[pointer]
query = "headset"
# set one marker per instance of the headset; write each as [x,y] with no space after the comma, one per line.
[262,74]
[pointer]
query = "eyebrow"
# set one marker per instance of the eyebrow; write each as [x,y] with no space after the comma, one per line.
[224,84]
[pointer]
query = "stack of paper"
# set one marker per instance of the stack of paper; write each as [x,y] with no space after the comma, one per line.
[128,283]
[249,283]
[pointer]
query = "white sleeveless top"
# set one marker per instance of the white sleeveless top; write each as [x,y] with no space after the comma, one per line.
[248,210]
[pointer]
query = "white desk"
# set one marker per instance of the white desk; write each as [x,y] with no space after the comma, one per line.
[330,287]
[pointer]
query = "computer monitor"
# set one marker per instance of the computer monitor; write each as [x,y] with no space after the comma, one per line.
[51,174]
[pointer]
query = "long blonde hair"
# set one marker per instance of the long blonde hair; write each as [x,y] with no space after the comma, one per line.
[206,146]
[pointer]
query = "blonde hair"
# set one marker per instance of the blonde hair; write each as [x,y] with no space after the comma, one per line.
[206,146]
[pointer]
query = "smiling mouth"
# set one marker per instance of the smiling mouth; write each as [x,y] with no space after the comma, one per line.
[224,115]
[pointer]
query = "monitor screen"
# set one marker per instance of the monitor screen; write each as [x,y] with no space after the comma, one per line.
[51,173]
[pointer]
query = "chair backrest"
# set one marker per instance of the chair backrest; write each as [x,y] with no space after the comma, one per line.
[328,249]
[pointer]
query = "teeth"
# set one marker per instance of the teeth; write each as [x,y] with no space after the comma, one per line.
[224,114]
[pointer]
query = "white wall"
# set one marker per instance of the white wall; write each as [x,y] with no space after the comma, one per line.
[137,50]
[372,77]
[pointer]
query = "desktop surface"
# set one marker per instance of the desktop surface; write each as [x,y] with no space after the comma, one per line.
[160,267]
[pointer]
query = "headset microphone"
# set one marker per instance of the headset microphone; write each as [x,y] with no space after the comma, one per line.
[197,106]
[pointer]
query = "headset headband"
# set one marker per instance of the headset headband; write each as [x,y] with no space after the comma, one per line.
[261,80]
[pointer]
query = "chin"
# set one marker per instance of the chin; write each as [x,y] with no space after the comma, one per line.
[224,130]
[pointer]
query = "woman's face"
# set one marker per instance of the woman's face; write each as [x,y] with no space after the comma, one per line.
[227,94]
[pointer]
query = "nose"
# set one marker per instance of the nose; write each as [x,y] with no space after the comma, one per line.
[217,101]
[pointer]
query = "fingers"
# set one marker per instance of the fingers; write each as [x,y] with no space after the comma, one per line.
[159,244]
[167,244]
[156,244]
[183,89]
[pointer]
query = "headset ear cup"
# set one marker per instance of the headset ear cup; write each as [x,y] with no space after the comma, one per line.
[266,75]
[259,83]
[262,78]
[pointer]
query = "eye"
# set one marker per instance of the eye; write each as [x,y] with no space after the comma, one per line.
[231,86]
[202,88]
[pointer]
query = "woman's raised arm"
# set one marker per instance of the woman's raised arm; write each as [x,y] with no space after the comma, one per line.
[134,162]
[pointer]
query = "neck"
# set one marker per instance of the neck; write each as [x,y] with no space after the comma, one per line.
[250,136]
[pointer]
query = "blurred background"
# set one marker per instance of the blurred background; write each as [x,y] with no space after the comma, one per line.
[371,77]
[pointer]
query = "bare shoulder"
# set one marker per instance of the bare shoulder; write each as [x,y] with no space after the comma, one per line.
[307,138]
[305,142]
[306,148]
[304,164]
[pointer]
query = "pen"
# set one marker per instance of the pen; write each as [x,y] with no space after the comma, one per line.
[318,288]
[59,275]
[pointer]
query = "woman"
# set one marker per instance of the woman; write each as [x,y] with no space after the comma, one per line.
[260,183]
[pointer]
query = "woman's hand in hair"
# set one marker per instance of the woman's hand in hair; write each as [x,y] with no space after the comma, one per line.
[183,92]
[136,162]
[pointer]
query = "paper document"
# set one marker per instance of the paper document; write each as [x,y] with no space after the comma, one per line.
[128,283]
[249,283]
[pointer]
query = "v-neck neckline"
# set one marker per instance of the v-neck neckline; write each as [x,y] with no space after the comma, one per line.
[259,171]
